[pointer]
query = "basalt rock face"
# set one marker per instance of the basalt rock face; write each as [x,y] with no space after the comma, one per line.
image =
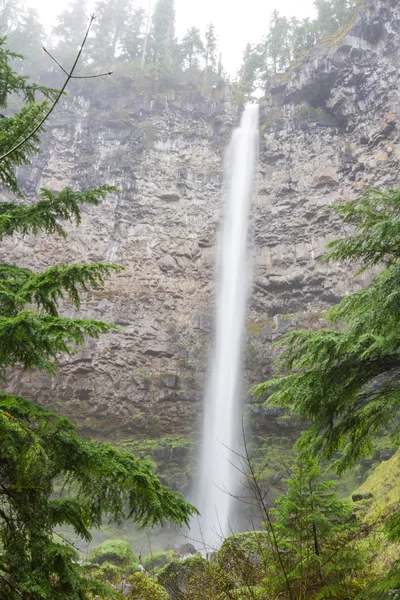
[165,156]
[329,130]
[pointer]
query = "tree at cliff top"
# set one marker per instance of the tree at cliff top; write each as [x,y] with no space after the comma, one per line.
[109,29]
[192,48]
[25,35]
[345,380]
[287,38]
[41,452]
[162,43]
[210,48]
[69,31]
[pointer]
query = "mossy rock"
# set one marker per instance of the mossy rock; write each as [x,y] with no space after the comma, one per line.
[248,593]
[158,560]
[107,573]
[116,552]
[244,557]
[144,588]
[194,579]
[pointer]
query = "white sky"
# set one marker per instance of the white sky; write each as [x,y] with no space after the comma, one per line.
[236,21]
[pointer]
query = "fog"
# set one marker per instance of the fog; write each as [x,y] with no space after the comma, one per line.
[237,23]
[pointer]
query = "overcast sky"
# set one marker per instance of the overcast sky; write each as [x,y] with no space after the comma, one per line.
[237,21]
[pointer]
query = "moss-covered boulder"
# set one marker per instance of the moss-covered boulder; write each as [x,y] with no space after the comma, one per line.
[244,557]
[158,560]
[106,573]
[248,593]
[116,552]
[194,579]
[142,587]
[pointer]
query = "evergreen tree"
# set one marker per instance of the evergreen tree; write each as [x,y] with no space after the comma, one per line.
[70,30]
[26,36]
[345,380]
[15,127]
[110,28]
[10,13]
[254,63]
[211,48]
[162,43]
[317,537]
[303,35]
[40,452]
[288,38]
[278,43]
[192,48]
[332,14]
[132,41]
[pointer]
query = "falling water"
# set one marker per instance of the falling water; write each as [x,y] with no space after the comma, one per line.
[219,479]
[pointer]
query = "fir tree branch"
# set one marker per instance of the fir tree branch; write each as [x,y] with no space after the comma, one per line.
[52,107]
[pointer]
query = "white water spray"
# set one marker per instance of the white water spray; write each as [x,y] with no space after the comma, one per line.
[219,479]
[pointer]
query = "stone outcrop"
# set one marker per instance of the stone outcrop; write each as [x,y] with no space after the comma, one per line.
[329,130]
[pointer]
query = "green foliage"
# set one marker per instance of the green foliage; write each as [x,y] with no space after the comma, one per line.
[317,537]
[41,452]
[157,560]
[288,38]
[244,557]
[345,380]
[25,35]
[116,552]
[44,215]
[194,579]
[145,588]
[162,42]
[13,128]
[192,47]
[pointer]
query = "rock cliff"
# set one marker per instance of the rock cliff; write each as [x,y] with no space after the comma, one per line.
[329,130]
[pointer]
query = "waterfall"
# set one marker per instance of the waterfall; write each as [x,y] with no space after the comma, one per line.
[218,478]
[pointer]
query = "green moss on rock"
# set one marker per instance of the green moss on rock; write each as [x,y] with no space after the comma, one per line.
[243,557]
[158,560]
[194,579]
[115,552]
[144,588]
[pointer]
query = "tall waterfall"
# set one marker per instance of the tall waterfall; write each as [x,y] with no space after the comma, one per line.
[218,477]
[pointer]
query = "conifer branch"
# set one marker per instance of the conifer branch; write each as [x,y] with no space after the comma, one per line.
[52,107]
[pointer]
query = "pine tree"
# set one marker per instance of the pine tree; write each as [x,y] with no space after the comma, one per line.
[110,28]
[26,36]
[317,537]
[278,43]
[345,380]
[39,451]
[132,42]
[10,14]
[304,35]
[70,30]
[162,43]
[254,65]
[211,48]
[192,48]
[15,127]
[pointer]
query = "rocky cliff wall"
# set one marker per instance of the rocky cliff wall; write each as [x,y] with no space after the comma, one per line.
[329,130]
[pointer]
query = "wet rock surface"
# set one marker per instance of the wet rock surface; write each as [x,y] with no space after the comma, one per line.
[329,130]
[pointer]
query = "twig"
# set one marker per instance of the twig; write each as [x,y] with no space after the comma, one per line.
[75,76]
[69,76]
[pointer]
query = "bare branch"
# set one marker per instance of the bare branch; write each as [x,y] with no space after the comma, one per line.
[47,115]
[75,76]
